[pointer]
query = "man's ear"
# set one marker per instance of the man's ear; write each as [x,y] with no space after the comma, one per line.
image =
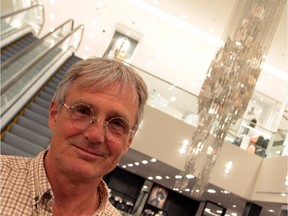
[53,112]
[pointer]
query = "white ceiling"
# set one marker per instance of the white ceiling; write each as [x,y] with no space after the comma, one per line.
[176,42]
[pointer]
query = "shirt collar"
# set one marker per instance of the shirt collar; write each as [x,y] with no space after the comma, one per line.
[39,184]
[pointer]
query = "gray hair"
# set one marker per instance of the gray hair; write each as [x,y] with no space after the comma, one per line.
[101,72]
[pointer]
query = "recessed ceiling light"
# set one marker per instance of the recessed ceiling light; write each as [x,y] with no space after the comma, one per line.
[150,177]
[271,210]
[225,192]
[178,176]
[136,163]
[153,160]
[124,166]
[144,161]
[130,165]
[167,177]
[173,98]
[158,177]
[189,176]
[234,206]
[211,191]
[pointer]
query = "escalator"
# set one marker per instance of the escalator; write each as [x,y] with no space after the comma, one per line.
[28,133]
[23,74]
[14,48]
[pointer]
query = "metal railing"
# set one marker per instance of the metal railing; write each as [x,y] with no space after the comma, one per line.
[28,19]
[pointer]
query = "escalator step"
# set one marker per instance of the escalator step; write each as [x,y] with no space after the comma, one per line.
[7,149]
[21,144]
[34,126]
[36,117]
[29,135]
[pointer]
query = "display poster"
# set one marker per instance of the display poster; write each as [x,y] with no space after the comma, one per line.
[158,196]
[121,47]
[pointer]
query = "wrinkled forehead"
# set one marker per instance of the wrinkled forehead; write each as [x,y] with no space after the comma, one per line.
[116,87]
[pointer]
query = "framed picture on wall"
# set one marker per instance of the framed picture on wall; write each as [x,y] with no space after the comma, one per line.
[213,209]
[158,196]
[121,47]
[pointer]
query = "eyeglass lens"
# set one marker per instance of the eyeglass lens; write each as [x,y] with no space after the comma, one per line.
[83,116]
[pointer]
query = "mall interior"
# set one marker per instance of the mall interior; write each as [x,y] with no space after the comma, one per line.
[172,45]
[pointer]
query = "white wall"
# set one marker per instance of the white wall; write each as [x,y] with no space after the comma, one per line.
[161,137]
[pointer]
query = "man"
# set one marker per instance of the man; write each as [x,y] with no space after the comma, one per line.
[93,116]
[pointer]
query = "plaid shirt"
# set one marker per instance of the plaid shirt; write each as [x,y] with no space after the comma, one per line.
[25,189]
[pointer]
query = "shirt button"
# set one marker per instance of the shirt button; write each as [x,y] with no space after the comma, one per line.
[47,195]
[36,198]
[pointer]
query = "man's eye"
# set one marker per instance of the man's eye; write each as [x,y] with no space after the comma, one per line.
[82,111]
[119,124]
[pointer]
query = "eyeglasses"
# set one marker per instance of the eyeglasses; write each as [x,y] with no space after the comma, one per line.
[83,116]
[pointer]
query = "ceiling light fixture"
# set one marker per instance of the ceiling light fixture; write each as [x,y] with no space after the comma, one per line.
[158,177]
[211,191]
[189,176]
[173,98]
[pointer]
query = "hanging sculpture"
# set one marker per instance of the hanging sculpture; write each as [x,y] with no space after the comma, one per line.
[228,87]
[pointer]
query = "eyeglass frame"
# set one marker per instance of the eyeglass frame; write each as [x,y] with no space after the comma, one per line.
[105,123]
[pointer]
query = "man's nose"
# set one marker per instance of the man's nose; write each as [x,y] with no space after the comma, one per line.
[96,131]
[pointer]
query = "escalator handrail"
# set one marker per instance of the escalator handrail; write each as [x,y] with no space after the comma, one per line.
[41,25]
[7,85]
[20,11]
[34,44]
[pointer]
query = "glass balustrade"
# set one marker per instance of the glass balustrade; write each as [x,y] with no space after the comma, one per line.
[263,138]
[31,18]
[57,44]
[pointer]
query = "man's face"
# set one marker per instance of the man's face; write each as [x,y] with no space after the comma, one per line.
[88,153]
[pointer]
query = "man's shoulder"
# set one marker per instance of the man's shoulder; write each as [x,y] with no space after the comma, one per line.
[14,162]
